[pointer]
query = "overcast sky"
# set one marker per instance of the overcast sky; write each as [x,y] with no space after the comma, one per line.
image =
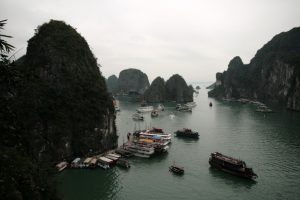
[195,39]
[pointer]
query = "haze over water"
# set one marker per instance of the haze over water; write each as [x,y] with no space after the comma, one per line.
[269,143]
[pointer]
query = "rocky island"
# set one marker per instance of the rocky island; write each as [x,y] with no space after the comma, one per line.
[56,106]
[174,89]
[272,75]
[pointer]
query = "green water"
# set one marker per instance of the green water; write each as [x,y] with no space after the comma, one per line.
[268,143]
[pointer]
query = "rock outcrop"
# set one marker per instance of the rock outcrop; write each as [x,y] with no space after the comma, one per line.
[133,80]
[112,84]
[272,75]
[156,92]
[66,94]
[55,107]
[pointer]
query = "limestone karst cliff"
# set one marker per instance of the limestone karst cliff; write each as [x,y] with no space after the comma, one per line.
[272,75]
[55,106]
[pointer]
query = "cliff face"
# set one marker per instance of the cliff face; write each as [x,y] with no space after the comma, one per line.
[67,104]
[272,75]
[112,84]
[156,92]
[133,79]
[177,90]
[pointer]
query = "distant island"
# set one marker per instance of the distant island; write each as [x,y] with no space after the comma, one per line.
[134,82]
[272,75]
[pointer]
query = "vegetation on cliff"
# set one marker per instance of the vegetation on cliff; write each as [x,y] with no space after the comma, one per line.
[133,80]
[156,92]
[55,106]
[112,84]
[272,75]
[175,89]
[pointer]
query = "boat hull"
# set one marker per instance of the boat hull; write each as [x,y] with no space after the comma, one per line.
[230,171]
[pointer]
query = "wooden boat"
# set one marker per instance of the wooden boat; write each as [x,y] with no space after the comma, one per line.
[187,133]
[138,116]
[176,169]
[124,153]
[123,163]
[61,166]
[210,104]
[231,165]
[154,113]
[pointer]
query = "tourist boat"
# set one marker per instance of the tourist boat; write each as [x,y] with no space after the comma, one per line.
[191,104]
[61,166]
[113,158]
[102,164]
[105,160]
[187,133]
[154,113]
[124,153]
[159,145]
[145,109]
[183,108]
[87,161]
[153,134]
[140,150]
[76,163]
[160,107]
[231,165]
[123,163]
[176,169]
[138,116]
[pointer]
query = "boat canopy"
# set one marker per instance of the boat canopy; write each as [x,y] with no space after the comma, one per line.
[76,160]
[106,159]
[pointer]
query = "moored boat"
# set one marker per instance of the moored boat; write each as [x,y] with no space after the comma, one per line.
[140,150]
[231,165]
[123,163]
[187,133]
[154,113]
[61,166]
[176,169]
[138,116]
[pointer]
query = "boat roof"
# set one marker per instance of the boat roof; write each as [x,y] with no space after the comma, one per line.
[76,160]
[227,158]
[105,159]
[114,155]
[87,160]
[93,161]
[111,157]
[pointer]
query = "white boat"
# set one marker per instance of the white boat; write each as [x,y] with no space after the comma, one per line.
[164,137]
[105,160]
[61,166]
[138,116]
[114,155]
[145,109]
[140,150]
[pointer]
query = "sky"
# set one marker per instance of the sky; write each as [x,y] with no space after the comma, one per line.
[193,38]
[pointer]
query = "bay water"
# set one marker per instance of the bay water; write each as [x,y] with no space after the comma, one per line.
[269,143]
